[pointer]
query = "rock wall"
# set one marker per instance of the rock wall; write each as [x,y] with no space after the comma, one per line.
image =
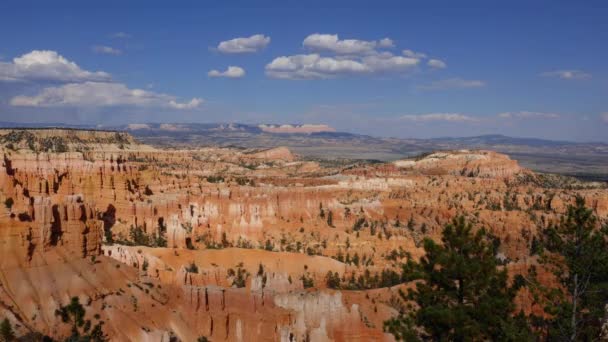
[464,163]
[184,222]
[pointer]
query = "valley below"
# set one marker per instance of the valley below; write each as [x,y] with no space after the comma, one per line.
[162,236]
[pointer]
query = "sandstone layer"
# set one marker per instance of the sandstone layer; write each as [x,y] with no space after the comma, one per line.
[237,244]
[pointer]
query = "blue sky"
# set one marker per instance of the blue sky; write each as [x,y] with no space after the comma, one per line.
[404,69]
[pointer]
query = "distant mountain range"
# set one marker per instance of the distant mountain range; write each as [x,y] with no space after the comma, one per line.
[498,139]
[323,142]
[310,130]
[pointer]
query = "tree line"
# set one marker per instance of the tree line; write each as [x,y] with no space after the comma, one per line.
[463,292]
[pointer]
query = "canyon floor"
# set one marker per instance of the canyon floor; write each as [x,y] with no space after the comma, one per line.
[174,243]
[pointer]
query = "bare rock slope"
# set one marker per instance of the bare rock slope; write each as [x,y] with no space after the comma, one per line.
[237,244]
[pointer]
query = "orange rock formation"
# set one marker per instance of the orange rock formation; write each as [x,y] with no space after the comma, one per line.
[235,245]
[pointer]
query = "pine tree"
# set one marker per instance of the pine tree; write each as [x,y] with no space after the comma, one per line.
[463,294]
[340,256]
[411,224]
[74,313]
[576,250]
[356,259]
[330,218]
[6,331]
[332,280]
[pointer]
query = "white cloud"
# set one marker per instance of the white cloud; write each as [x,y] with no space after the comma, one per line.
[567,74]
[388,62]
[414,54]
[452,83]
[450,117]
[332,43]
[386,43]
[313,66]
[244,45]
[46,65]
[194,103]
[604,117]
[108,50]
[231,72]
[100,94]
[346,57]
[528,115]
[436,63]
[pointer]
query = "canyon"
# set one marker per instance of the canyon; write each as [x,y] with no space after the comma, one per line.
[236,244]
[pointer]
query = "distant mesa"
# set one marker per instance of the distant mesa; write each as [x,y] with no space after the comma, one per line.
[162,127]
[277,153]
[60,140]
[174,127]
[305,128]
[136,126]
[471,163]
[232,127]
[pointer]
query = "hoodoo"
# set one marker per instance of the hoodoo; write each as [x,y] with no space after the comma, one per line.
[241,244]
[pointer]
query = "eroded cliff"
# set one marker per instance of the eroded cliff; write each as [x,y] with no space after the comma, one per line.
[239,244]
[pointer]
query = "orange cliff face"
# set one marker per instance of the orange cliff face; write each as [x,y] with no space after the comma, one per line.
[236,245]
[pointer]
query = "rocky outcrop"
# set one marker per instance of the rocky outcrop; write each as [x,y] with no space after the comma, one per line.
[463,163]
[64,140]
[322,316]
[42,219]
[305,128]
[278,153]
[236,245]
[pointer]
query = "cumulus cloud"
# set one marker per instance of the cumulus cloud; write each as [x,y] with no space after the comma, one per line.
[386,43]
[414,54]
[332,43]
[386,62]
[244,44]
[450,117]
[100,94]
[231,72]
[567,74]
[453,83]
[194,103]
[108,50]
[436,63]
[344,57]
[528,115]
[46,65]
[313,66]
